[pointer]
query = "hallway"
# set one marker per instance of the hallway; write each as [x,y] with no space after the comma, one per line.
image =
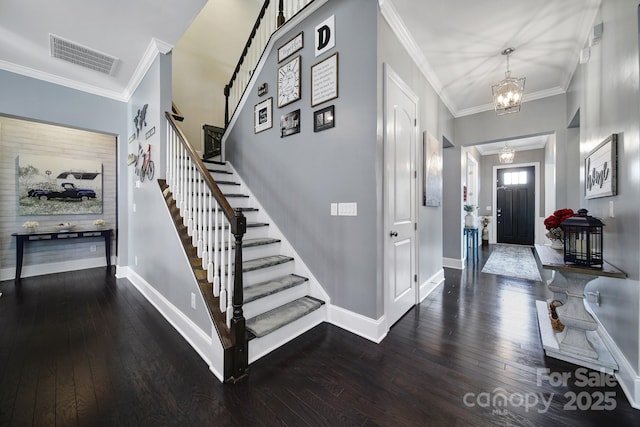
[84,348]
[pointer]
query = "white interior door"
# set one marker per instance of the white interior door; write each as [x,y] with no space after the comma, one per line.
[401,107]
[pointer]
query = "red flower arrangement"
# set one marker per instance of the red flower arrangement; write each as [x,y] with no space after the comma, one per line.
[553,221]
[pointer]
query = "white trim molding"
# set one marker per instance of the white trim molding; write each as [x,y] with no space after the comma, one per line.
[371,329]
[458,264]
[55,267]
[431,284]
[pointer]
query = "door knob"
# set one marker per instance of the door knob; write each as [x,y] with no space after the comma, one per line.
[393,234]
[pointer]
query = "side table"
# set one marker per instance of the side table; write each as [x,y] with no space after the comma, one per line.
[471,234]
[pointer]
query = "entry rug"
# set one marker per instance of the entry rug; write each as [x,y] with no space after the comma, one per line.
[513,261]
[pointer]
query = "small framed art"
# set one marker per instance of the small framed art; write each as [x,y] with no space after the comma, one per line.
[263,115]
[290,123]
[324,119]
[291,47]
[601,169]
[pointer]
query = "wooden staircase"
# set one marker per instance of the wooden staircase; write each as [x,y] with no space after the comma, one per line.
[280,301]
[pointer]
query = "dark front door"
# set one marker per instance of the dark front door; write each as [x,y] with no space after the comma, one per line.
[516,205]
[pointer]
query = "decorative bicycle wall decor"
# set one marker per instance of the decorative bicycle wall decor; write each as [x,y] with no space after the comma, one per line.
[144,164]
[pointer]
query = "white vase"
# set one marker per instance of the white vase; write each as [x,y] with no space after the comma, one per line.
[470,220]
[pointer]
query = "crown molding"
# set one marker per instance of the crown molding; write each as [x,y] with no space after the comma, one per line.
[155,47]
[61,81]
[394,20]
[585,28]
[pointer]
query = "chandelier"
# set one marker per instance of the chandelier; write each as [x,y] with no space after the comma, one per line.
[507,94]
[506,154]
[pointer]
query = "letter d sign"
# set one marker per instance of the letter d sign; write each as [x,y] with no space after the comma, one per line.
[325,35]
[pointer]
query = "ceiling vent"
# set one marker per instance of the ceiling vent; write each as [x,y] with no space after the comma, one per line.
[81,55]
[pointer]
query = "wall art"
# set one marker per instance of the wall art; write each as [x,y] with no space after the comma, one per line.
[58,186]
[431,171]
[324,119]
[324,80]
[290,123]
[262,113]
[289,82]
[600,168]
[291,47]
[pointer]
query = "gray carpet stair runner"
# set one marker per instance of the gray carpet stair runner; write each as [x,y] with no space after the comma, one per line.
[292,310]
[274,319]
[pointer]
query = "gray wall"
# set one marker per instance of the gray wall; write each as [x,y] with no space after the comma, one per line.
[613,70]
[436,120]
[153,241]
[296,178]
[38,100]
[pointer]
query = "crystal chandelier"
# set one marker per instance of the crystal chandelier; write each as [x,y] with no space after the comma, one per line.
[507,94]
[506,154]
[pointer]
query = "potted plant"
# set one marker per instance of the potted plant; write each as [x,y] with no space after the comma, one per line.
[485,220]
[470,218]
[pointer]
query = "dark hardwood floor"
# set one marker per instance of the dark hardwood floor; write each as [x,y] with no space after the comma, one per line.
[84,348]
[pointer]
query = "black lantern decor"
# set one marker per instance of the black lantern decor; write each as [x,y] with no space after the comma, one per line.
[583,240]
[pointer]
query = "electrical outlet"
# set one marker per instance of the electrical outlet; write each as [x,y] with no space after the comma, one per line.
[92,248]
[334,209]
[135,260]
[134,207]
[193,300]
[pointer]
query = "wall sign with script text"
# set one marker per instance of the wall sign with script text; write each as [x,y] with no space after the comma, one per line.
[600,169]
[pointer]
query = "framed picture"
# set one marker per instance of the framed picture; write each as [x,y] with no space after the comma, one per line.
[324,80]
[289,82]
[600,169]
[263,118]
[324,119]
[290,123]
[432,171]
[291,47]
[49,185]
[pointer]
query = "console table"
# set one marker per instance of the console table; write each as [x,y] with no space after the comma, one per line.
[471,233]
[579,342]
[49,235]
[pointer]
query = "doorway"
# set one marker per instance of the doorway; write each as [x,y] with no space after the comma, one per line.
[515,205]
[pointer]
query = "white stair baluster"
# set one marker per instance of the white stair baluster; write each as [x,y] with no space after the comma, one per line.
[216,252]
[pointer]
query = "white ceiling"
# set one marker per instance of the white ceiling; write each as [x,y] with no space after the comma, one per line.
[457,43]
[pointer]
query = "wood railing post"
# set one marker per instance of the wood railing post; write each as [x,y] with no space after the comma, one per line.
[238,327]
[281,18]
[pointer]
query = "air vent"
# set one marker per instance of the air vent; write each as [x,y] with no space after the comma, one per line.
[81,55]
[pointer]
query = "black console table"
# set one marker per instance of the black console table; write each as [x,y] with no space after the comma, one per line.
[48,235]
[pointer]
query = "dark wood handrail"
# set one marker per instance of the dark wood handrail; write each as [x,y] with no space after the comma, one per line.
[228,211]
[254,31]
[236,368]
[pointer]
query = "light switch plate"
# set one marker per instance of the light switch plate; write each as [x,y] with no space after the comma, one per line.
[348,209]
[334,209]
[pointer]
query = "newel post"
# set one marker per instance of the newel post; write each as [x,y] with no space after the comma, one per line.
[227,92]
[238,327]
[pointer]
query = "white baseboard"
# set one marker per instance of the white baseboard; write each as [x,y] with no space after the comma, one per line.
[626,375]
[431,284]
[55,267]
[198,339]
[373,330]
[458,264]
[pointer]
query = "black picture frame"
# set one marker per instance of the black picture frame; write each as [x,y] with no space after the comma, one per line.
[290,123]
[324,119]
[263,115]
[292,46]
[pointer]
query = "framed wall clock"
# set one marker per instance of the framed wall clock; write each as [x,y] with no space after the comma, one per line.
[289,82]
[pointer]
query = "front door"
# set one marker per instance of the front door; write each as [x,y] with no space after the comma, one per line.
[400,196]
[516,205]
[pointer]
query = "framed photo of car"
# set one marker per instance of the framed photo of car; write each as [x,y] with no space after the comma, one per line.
[49,185]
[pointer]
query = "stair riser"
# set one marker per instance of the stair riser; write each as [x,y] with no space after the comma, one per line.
[264,274]
[270,302]
[253,252]
[260,347]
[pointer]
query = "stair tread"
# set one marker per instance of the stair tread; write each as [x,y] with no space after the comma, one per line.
[227,183]
[220,171]
[270,287]
[235,195]
[215,162]
[272,320]
[259,241]
[264,262]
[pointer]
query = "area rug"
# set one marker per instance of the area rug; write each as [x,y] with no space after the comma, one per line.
[512,261]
